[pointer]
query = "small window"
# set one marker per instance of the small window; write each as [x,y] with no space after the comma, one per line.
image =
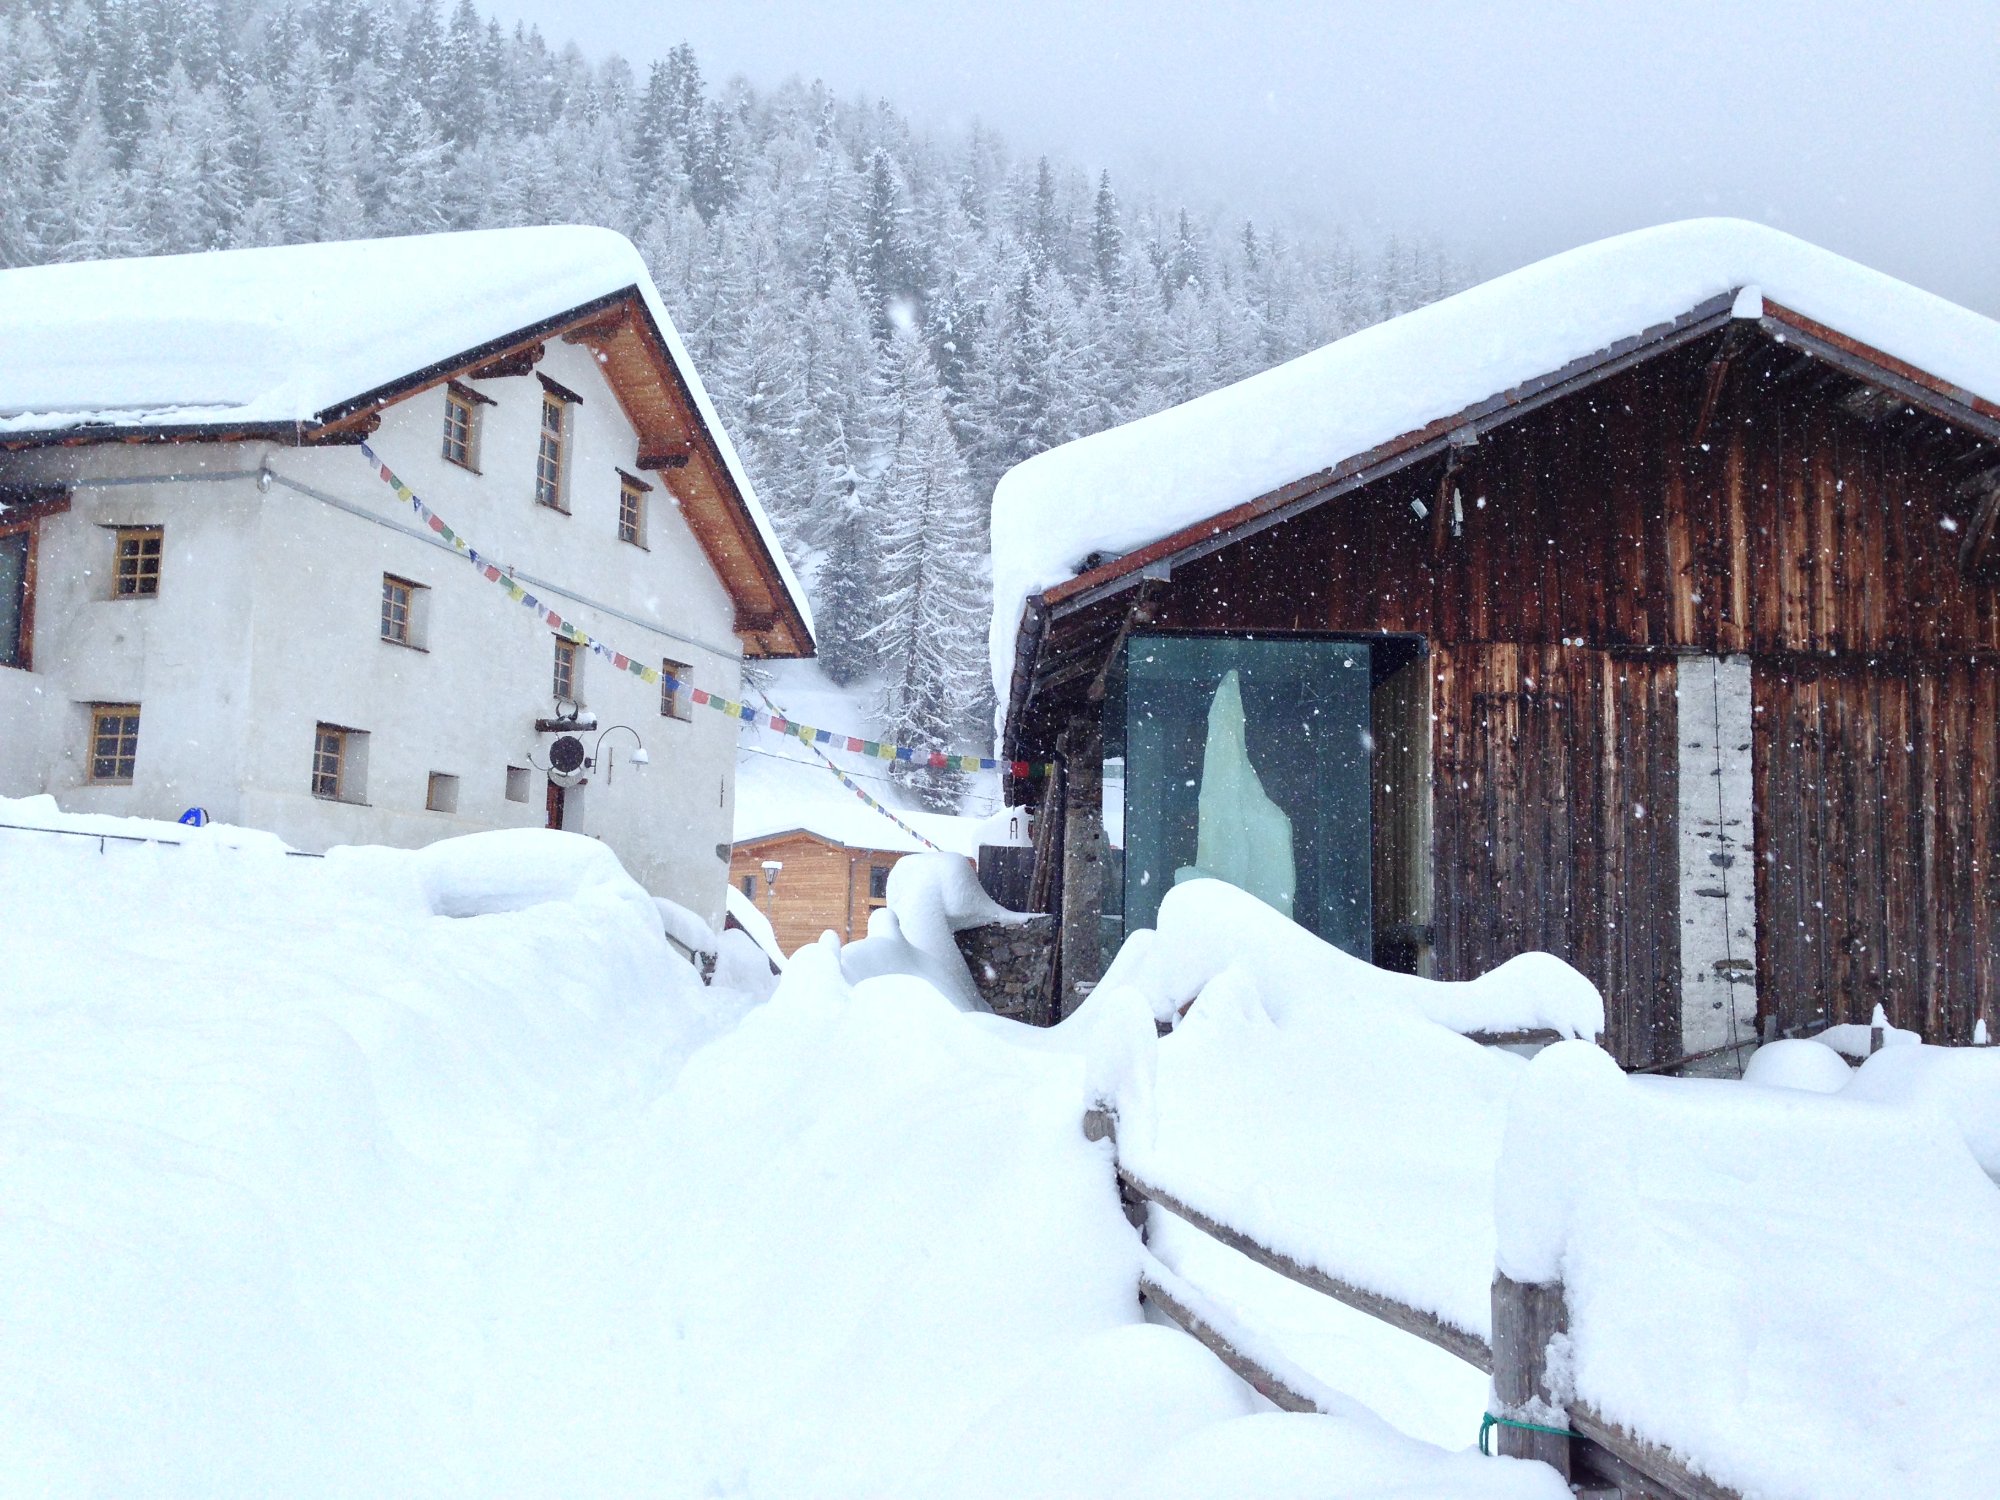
[568,680]
[878,882]
[550,455]
[137,575]
[517,784]
[402,603]
[461,426]
[632,492]
[749,884]
[16,598]
[442,793]
[676,683]
[114,742]
[340,763]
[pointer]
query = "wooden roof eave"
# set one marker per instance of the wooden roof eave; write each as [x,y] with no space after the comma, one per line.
[716,510]
[787,835]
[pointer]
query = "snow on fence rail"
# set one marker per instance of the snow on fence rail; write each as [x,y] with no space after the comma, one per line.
[1529,1320]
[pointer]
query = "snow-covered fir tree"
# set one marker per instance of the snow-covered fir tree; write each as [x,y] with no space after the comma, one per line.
[929,527]
[809,246]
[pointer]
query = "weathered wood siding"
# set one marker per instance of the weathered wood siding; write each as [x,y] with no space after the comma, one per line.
[1556,789]
[823,886]
[1879,872]
[1597,539]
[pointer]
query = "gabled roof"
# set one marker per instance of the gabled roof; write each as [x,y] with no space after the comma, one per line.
[1167,487]
[306,343]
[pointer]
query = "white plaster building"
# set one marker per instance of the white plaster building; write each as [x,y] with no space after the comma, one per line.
[209,597]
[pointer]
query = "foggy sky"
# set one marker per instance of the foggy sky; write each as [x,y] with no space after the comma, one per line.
[1509,131]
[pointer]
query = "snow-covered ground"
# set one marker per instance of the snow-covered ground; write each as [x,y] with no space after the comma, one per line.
[439,1173]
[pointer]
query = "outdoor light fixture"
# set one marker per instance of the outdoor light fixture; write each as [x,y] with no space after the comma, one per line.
[639,755]
[771,869]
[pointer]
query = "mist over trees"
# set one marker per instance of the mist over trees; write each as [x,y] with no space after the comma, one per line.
[888,318]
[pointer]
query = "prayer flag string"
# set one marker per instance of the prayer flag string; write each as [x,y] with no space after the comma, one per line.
[502,576]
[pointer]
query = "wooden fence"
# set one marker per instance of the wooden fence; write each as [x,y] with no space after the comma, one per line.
[1599,1458]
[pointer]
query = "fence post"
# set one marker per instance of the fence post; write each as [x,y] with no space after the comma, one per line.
[1526,1317]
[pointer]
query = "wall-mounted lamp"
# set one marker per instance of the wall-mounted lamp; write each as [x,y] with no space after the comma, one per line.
[639,756]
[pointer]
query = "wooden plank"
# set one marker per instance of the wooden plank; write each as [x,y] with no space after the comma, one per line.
[1528,1318]
[1273,1387]
[1427,1326]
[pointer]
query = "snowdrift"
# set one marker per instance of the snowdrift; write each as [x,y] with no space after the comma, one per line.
[439,1173]
[1795,1290]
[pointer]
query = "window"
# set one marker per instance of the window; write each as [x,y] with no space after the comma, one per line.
[517,783]
[114,742]
[676,682]
[401,606]
[632,494]
[442,793]
[340,763]
[461,425]
[878,882]
[137,574]
[568,680]
[749,884]
[549,456]
[16,596]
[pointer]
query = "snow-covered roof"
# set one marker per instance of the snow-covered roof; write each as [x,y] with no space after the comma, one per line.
[1123,488]
[256,339]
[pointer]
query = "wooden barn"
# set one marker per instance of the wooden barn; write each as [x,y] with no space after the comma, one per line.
[1638,606]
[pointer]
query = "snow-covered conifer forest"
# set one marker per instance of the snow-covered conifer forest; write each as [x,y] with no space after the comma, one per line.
[888,317]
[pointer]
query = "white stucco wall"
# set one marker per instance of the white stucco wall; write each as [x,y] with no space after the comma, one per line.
[267,623]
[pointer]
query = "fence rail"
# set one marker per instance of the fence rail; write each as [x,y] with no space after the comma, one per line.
[1600,1458]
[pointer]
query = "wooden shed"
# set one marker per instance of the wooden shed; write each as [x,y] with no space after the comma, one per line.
[807,883]
[1677,656]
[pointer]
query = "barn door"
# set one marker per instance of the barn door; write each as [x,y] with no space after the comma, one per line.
[1878,869]
[1556,809]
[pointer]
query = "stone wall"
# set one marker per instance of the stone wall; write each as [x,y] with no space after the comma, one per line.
[1010,963]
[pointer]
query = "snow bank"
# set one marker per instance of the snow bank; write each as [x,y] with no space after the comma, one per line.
[931,896]
[1796,1292]
[298,1172]
[279,334]
[1798,1063]
[684,929]
[1328,1458]
[745,913]
[1959,1087]
[409,1173]
[1206,926]
[1852,1039]
[1131,485]
[1307,1100]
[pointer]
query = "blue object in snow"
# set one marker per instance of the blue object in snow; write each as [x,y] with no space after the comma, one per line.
[195,817]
